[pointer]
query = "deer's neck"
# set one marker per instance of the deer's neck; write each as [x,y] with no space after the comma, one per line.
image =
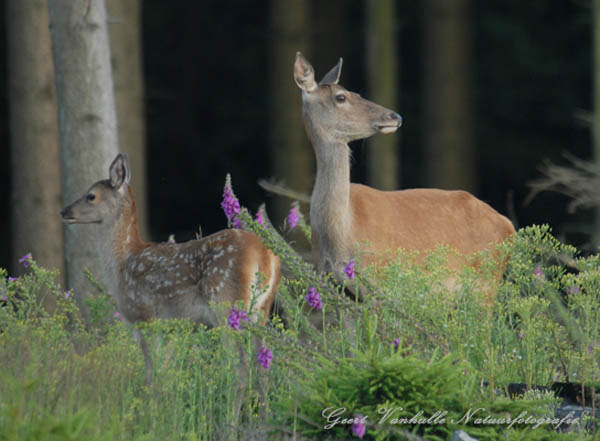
[118,242]
[330,202]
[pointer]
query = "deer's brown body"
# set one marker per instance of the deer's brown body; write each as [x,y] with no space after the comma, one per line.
[344,215]
[184,279]
[420,228]
[167,280]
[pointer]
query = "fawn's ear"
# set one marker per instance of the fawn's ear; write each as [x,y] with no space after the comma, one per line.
[119,171]
[304,74]
[333,76]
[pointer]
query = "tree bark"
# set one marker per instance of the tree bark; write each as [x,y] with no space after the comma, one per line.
[596,104]
[383,154]
[35,159]
[328,21]
[126,55]
[292,159]
[87,118]
[447,104]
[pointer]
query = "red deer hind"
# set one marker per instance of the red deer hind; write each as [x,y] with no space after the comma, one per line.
[343,215]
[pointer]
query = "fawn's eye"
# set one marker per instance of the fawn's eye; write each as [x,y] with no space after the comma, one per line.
[340,98]
[90,197]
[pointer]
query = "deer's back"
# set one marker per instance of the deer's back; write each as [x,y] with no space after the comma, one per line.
[422,219]
[182,280]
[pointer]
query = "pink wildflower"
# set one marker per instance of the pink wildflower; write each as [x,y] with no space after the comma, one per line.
[313,298]
[349,270]
[230,204]
[358,428]
[265,356]
[237,223]
[293,217]
[235,319]
[260,219]
[26,260]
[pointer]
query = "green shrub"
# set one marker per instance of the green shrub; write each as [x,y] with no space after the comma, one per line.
[403,396]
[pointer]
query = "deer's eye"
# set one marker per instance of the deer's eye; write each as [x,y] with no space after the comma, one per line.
[90,197]
[340,98]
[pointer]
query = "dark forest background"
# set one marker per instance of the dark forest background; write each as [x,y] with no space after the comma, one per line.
[214,72]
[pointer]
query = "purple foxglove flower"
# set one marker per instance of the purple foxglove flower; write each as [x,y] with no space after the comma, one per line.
[313,298]
[293,217]
[237,223]
[538,272]
[573,290]
[13,279]
[265,356]
[358,428]
[235,318]
[349,270]
[230,204]
[25,260]
[117,315]
[260,219]
[68,294]
[396,343]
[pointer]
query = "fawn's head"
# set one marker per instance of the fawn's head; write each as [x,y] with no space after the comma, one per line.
[104,201]
[336,114]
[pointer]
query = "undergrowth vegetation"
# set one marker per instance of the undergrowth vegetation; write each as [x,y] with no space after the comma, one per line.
[414,360]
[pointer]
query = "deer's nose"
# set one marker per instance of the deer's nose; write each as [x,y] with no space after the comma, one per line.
[395,117]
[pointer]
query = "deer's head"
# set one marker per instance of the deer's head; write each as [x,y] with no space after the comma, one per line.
[336,114]
[104,200]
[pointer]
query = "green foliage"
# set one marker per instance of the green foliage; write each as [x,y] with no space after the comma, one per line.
[463,336]
[403,396]
[63,380]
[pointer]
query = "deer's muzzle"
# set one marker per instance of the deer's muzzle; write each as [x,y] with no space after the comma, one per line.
[389,123]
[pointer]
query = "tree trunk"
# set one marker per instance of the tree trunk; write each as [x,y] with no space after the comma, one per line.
[126,52]
[35,158]
[383,154]
[447,105]
[328,34]
[87,119]
[596,104]
[292,158]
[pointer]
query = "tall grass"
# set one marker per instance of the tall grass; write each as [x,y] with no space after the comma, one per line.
[410,344]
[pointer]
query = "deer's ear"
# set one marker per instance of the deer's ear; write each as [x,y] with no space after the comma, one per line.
[119,171]
[304,74]
[333,76]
